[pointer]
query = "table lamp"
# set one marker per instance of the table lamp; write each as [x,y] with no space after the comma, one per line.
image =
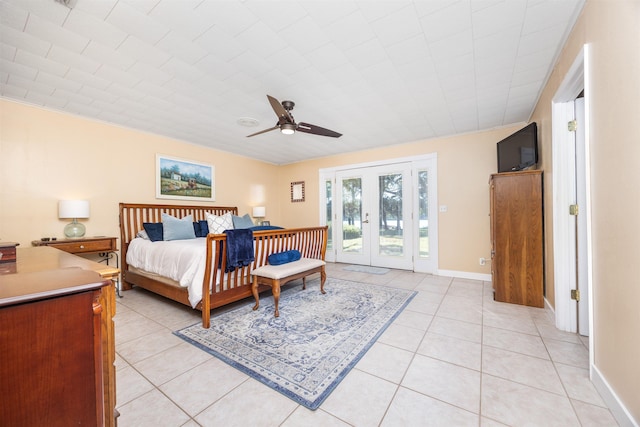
[259,212]
[73,209]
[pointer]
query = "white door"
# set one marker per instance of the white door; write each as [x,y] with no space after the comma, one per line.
[572,248]
[581,221]
[391,222]
[352,217]
[374,212]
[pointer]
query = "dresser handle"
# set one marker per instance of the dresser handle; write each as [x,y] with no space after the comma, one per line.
[81,246]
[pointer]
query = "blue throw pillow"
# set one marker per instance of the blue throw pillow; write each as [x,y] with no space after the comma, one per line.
[242,221]
[204,227]
[201,228]
[178,229]
[284,257]
[154,230]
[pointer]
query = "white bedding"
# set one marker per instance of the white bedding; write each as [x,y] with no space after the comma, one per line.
[181,260]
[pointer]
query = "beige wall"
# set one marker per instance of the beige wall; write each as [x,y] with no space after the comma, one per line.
[611,30]
[47,156]
[464,165]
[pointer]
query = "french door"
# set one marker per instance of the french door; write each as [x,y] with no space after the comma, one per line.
[378,215]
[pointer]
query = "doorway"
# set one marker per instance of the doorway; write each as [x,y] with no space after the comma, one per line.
[382,214]
[571,183]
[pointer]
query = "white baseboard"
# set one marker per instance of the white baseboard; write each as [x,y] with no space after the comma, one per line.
[548,307]
[465,275]
[619,411]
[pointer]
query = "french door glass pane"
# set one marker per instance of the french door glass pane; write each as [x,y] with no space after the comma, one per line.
[329,203]
[390,218]
[423,201]
[352,215]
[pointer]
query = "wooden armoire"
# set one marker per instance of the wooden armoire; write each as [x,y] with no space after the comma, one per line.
[517,255]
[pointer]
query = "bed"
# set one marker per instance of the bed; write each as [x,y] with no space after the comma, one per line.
[212,284]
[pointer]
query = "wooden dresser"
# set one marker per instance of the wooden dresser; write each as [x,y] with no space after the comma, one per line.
[517,257]
[57,343]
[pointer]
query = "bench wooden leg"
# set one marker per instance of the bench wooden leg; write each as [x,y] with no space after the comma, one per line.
[323,277]
[275,286]
[254,291]
[275,290]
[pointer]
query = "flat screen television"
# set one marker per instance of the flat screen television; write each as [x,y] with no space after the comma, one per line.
[519,150]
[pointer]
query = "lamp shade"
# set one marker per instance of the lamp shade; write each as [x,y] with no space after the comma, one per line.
[259,212]
[73,209]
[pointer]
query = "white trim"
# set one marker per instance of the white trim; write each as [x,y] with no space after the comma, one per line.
[617,408]
[429,265]
[587,145]
[380,163]
[465,275]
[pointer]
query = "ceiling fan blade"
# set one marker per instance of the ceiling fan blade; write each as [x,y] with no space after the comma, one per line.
[317,130]
[264,131]
[279,109]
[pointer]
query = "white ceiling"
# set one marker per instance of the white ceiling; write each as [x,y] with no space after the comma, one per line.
[379,72]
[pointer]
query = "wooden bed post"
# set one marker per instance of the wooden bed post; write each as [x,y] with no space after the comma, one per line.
[206,292]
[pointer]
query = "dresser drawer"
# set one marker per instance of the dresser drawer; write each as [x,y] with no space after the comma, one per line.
[86,246]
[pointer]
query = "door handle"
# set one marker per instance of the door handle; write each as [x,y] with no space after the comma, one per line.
[366,221]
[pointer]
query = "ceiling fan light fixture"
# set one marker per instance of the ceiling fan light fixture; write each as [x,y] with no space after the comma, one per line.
[288,129]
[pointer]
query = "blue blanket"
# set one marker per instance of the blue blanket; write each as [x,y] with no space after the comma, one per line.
[239,248]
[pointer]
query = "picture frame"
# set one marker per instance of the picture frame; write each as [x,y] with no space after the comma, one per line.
[297,191]
[182,179]
[265,223]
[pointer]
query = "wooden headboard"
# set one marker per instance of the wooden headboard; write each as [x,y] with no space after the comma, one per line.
[133,215]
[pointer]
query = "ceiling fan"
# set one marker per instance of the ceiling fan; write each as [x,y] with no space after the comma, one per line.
[288,125]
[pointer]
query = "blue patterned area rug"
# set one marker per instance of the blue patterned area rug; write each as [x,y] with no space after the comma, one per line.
[310,348]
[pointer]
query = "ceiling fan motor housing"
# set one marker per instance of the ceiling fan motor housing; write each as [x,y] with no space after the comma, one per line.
[288,105]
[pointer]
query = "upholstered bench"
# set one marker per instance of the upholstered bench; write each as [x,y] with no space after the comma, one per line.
[277,275]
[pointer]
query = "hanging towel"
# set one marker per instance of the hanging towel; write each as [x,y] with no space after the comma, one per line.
[239,248]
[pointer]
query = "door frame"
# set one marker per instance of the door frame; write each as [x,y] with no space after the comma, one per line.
[421,161]
[576,80]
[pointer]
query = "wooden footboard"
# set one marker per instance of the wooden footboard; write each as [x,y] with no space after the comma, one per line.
[219,287]
[235,285]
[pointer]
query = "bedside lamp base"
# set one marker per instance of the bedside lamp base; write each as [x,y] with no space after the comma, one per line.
[74,229]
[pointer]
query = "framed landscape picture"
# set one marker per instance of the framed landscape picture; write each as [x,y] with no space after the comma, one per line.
[184,179]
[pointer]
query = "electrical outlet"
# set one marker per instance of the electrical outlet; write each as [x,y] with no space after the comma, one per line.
[483,261]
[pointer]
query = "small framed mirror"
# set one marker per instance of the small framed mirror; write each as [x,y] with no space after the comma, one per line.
[297,191]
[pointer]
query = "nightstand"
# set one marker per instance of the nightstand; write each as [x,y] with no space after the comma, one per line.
[104,246]
[83,245]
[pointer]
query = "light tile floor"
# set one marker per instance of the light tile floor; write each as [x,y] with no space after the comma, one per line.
[454,357]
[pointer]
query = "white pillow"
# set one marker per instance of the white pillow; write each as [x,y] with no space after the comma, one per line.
[217,224]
